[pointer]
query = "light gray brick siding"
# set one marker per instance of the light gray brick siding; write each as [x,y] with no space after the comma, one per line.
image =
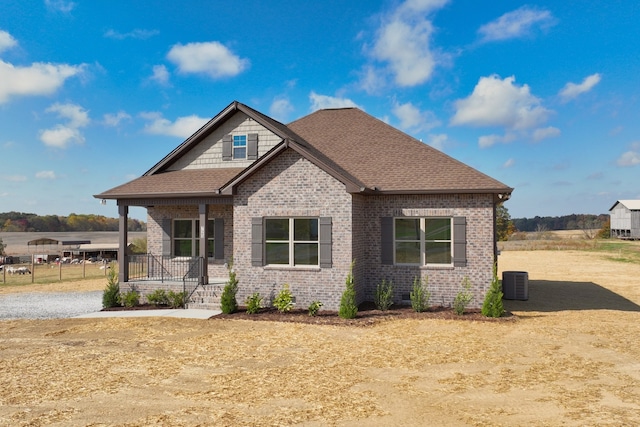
[292,186]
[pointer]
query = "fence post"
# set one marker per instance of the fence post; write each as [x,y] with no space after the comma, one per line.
[60,270]
[33,269]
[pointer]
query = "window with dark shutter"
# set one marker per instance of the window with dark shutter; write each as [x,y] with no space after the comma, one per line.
[325,243]
[386,240]
[252,146]
[219,238]
[227,147]
[459,241]
[257,258]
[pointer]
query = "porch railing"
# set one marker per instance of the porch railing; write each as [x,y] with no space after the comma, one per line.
[162,269]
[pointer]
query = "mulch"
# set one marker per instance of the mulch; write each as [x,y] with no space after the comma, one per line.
[367,315]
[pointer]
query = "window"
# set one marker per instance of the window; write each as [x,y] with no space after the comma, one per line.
[291,241]
[186,238]
[423,241]
[240,146]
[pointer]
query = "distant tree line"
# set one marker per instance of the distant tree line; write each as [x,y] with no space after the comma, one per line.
[19,221]
[566,222]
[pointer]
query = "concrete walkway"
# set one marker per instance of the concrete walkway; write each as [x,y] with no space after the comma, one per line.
[190,313]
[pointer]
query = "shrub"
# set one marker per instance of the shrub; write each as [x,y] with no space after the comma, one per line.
[492,305]
[348,308]
[158,297]
[284,299]
[254,303]
[420,295]
[463,298]
[314,307]
[111,294]
[383,295]
[130,298]
[177,299]
[228,302]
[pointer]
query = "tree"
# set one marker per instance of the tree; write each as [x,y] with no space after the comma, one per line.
[2,246]
[504,225]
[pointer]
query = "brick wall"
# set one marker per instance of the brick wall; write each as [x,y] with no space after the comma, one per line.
[443,282]
[291,186]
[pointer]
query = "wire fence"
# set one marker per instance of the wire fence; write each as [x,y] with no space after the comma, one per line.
[25,273]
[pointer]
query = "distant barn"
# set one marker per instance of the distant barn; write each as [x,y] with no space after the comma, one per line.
[625,219]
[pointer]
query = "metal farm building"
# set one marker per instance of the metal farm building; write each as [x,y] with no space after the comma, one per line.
[625,219]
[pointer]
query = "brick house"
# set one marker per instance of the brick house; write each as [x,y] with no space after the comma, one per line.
[297,203]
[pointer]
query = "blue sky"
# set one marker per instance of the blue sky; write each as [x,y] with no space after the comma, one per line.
[543,96]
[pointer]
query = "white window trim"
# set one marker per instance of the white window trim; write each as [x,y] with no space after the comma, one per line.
[291,242]
[423,241]
[195,237]
[233,147]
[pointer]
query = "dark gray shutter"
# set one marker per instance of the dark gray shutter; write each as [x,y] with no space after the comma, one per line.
[256,242]
[166,236]
[227,143]
[459,241]
[252,146]
[386,240]
[218,235]
[325,243]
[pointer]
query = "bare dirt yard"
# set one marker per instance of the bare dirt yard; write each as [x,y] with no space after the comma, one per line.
[570,357]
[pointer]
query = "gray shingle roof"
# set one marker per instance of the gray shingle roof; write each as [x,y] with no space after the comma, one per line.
[383,157]
[353,146]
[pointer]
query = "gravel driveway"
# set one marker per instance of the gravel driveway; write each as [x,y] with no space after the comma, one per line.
[57,305]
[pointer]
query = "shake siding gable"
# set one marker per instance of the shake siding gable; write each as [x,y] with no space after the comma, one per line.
[210,153]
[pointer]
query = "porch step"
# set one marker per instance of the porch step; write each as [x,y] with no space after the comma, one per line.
[207,298]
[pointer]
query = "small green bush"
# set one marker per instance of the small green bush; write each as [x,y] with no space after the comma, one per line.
[254,302]
[158,297]
[111,294]
[314,307]
[492,305]
[383,295]
[284,300]
[420,295]
[348,307]
[463,298]
[130,298]
[228,302]
[177,299]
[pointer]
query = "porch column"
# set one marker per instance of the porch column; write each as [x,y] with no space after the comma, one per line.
[123,262]
[203,210]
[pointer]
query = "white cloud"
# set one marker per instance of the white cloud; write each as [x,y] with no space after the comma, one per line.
[403,43]
[36,79]
[183,127]
[498,102]
[414,120]
[518,23]
[544,133]
[439,141]
[114,120]
[63,6]
[572,90]
[46,175]
[210,58]
[61,135]
[77,116]
[160,75]
[487,141]
[280,108]
[372,80]
[6,41]
[509,163]
[134,34]
[16,178]
[631,157]
[320,102]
